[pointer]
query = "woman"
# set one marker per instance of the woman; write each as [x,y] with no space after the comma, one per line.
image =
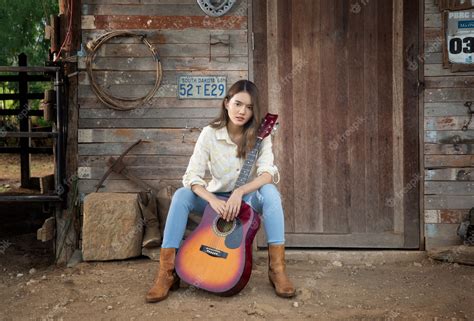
[223,146]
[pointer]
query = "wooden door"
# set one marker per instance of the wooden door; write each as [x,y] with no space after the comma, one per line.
[342,77]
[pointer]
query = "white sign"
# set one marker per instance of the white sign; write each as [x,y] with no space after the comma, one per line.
[202,87]
[460,36]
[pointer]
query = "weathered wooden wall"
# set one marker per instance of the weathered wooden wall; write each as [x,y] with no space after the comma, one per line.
[188,42]
[449,151]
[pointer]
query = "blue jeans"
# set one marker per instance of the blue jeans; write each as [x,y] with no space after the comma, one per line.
[266,201]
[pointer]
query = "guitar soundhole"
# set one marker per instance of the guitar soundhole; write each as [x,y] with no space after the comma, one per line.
[222,227]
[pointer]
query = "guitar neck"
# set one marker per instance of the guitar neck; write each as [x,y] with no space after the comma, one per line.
[248,164]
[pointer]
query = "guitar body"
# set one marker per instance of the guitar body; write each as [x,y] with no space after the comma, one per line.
[217,255]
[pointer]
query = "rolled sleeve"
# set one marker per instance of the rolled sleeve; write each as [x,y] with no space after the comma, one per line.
[196,169]
[265,160]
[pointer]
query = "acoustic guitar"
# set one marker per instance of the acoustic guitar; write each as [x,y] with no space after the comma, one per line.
[217,255]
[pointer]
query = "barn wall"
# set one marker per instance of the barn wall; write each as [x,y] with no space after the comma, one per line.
[448,151]
[188,42]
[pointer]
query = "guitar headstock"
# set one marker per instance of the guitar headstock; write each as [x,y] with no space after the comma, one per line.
[267,125]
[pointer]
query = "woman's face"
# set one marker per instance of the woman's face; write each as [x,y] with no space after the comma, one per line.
[240,108]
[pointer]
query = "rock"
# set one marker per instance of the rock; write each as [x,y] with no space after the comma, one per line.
[109,307]
[112,227]
[32,271]
[19,275]
[417,264]
[295,304]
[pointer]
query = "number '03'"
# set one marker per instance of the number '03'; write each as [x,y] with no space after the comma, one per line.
[456,45]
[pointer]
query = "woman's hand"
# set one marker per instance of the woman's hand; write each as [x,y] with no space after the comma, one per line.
[218,205]
[233,205]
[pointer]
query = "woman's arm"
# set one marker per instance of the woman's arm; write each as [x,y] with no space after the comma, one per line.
[216,203]
[232,207]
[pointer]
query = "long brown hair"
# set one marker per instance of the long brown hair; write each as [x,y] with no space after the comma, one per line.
[249,134]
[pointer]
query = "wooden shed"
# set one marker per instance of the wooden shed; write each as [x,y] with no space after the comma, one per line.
[370,145]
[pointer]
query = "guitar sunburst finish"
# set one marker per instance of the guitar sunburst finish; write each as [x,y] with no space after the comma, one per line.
[216,261]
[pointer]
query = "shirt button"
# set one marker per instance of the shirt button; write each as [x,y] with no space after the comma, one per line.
[238,169]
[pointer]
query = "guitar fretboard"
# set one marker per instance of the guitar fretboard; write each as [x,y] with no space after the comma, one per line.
[248,164]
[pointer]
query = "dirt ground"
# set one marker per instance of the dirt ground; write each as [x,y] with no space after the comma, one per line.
[40,165]
[32,288]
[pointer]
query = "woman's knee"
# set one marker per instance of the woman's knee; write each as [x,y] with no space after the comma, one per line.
[269,191]
[183,195]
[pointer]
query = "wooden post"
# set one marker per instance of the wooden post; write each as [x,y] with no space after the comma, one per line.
[24,123]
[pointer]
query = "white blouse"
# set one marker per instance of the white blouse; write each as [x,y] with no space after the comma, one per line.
[215,151]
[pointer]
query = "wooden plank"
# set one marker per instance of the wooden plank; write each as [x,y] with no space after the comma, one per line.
[441,235]
[386,34]
[152,148]
[439,161]
[130,91]
[156,102]
[172,50]
[152,9]
[371,88]
[450,174]
[448,82]
[450,188]
[148,77]
[446,216]
[170,64]
[135,160]
[279,56]
[430,7]
[143,123]
[187,36]
[447,123]
[449,202]
[432,20]
[125,186]
[433,47]
[432,58]
[354,240]
[145,173]
[449,149]
[449,94]
[449,137]
[445,109]
[432,34]
[306,116]
[133,22]
[123,135]
[104,2]
[356,115]
[156,113]
[438,70]
[411,22]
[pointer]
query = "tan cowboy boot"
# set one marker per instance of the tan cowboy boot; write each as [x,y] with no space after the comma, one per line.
[277,271]
[167,279]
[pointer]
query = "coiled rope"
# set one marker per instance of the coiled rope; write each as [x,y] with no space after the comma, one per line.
[121,103]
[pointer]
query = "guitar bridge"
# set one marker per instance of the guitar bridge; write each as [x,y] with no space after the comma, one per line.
[213,252]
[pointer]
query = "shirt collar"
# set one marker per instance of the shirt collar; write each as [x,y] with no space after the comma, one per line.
[222,134]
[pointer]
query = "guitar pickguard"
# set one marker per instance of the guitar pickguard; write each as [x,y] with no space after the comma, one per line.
[234,239]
